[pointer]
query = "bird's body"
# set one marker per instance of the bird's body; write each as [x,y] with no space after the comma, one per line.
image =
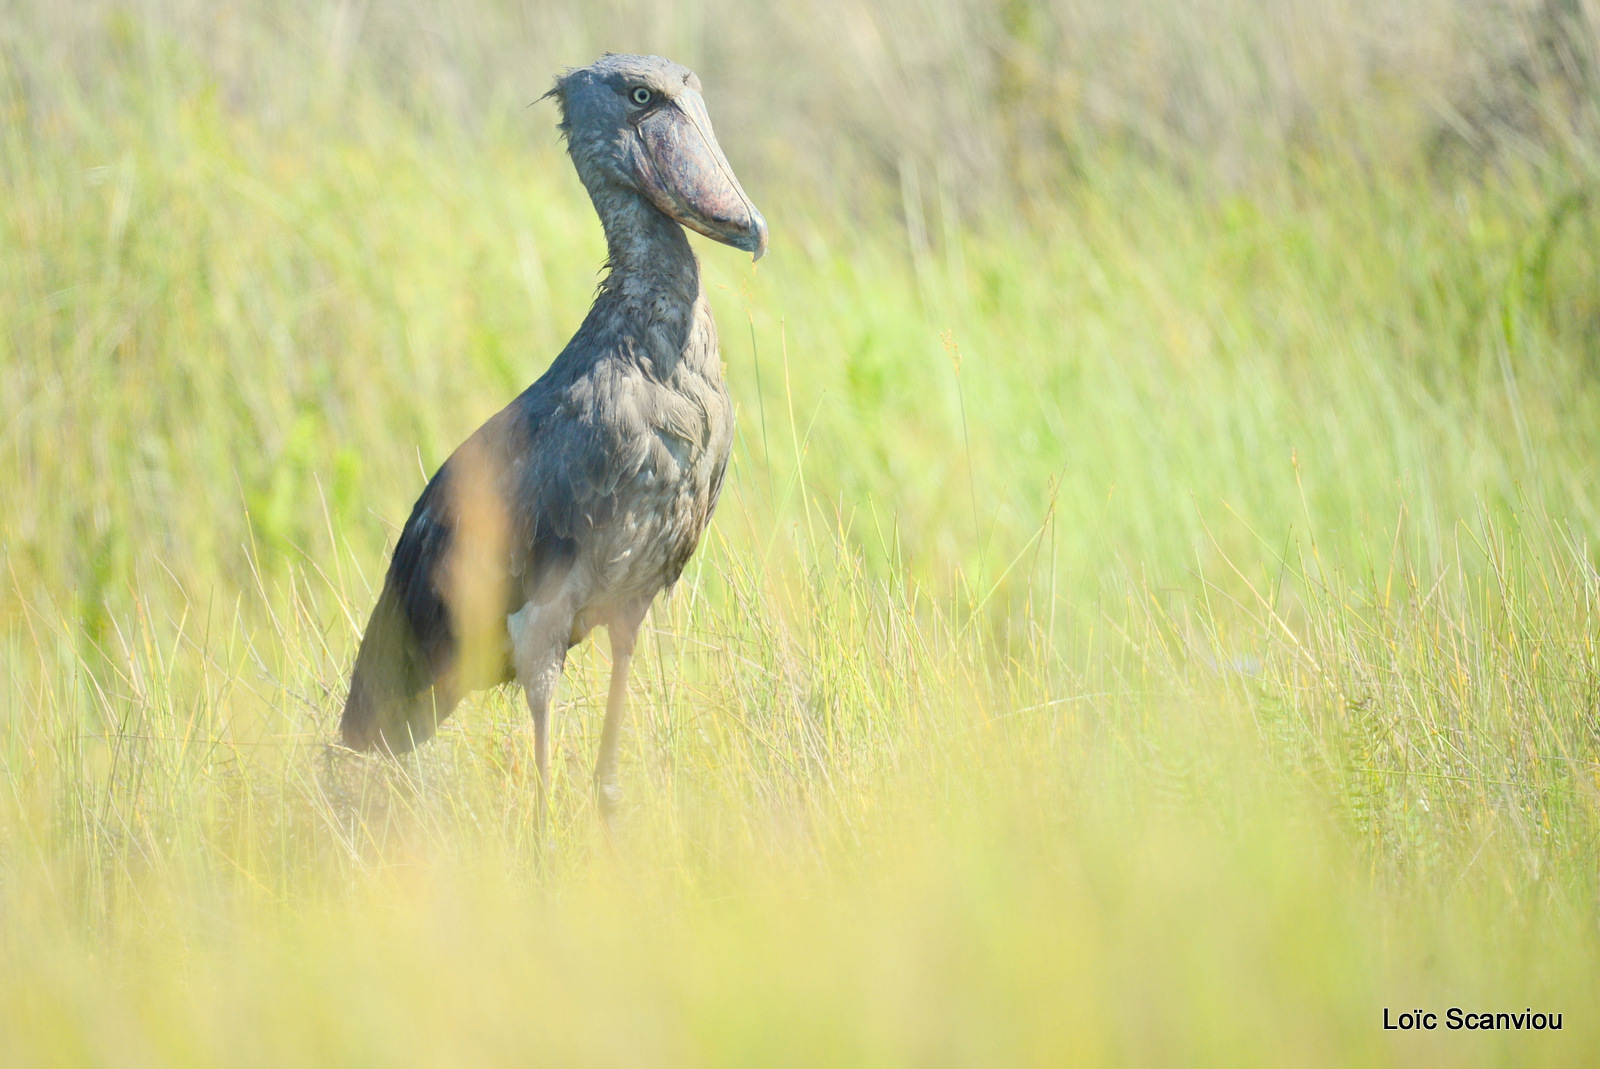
[579,501]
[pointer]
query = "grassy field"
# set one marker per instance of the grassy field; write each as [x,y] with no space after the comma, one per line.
[1151,619]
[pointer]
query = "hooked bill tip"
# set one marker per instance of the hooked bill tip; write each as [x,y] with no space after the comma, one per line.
[758,245]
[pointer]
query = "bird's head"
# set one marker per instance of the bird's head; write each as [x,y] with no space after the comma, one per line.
[639,123]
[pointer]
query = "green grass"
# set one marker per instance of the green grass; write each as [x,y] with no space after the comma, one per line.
[1154,624]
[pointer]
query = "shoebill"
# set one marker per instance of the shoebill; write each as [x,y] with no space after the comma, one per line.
[586,495]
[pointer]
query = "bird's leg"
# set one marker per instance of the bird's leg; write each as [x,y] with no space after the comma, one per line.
[539,649]
[624,629]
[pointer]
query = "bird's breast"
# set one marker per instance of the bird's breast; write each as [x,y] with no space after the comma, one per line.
[682,437]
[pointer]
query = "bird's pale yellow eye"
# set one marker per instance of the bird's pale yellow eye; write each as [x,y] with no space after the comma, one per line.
[641,95]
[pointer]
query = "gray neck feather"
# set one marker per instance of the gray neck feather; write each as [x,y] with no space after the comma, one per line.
[646,251]
[651,290]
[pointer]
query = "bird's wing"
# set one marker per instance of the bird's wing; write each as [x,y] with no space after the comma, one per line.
[514,503]
[414,570]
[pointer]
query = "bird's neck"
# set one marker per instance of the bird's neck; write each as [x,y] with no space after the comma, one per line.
[653,291]
[646,250]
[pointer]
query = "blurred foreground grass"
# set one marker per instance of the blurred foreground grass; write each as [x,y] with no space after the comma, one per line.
[1151,622]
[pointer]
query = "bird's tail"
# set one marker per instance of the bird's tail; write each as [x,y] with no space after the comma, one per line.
[396,698]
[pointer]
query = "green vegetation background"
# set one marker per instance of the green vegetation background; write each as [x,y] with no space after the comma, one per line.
[1151,619]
